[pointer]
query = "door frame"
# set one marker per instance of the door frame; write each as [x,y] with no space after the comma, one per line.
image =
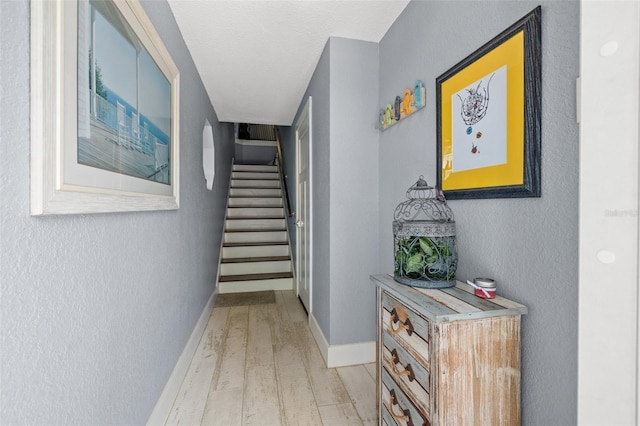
[305,112]
[608,329]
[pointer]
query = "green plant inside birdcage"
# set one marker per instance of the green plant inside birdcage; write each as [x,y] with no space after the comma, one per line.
[426,258]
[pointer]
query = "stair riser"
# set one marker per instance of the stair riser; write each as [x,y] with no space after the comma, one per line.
[255,192]
[255,212]
[254,168]
[257,251]
[257,176]
[255,285]
[255,224]
[255,202]
[235,183]
[255,237]
[255,267]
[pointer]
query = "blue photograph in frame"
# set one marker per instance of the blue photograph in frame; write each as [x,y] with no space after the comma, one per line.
[124,99]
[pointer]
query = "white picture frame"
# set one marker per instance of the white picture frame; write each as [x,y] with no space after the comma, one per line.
[63,179]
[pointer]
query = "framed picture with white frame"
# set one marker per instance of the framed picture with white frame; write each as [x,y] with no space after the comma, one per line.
[104,110]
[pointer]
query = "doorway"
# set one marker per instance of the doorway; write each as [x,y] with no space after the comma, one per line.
[304,207]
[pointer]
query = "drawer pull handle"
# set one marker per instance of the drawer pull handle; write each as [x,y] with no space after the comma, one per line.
[405,415]
[408,371]
[396,316]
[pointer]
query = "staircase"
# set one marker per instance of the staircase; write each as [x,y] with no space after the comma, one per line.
[255,252]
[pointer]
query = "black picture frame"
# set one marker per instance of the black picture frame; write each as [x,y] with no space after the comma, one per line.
[530,26]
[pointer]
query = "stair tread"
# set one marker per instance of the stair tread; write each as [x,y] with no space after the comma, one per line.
[259,169]
[255,196]
[251,277]
[255,259]
[241,230]
[267,175]
[254,166]
[255,187]
[255,178]
[274,217]
[255,208]
[235,209]
[265,243]
[256,218]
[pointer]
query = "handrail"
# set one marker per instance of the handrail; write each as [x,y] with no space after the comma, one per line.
[282,176]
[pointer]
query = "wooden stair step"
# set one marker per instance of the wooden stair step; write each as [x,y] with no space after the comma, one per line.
[251,277]
[257,171]
[260,179]
[254,218]
[255,201]
[257,192]
[265,184]
[256,187]
[239,209]
[249,167]
[241,217]
[274,217]
[254,196]
[253,169]
[255,259]
[266,175]
[230,231]
[268,243]
[240,230]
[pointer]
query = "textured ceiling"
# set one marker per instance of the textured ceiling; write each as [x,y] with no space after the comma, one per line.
[256,57]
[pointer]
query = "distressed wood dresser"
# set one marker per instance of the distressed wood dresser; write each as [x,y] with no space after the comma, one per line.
[446,357]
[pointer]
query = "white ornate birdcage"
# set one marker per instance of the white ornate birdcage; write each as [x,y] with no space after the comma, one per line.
[424,233]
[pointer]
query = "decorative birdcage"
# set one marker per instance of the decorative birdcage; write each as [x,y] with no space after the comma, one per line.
[425,239]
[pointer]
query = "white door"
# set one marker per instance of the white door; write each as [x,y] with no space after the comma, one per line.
[303,206]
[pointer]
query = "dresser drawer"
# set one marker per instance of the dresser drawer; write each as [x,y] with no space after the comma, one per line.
[406,372]
[397,408]
[408,328]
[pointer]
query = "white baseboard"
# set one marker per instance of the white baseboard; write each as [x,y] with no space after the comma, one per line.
[323,345]
[170,392]
[342,355]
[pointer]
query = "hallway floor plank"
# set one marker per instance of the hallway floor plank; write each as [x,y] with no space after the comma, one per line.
[259,365]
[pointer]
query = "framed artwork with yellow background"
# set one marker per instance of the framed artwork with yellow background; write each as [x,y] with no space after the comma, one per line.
[488,115]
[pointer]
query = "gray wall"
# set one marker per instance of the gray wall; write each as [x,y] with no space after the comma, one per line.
[252,154]
[528,245]
[96,309]
[319,90]
[354,194]
[345,220]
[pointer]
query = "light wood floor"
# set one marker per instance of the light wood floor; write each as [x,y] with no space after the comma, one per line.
[260,365]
